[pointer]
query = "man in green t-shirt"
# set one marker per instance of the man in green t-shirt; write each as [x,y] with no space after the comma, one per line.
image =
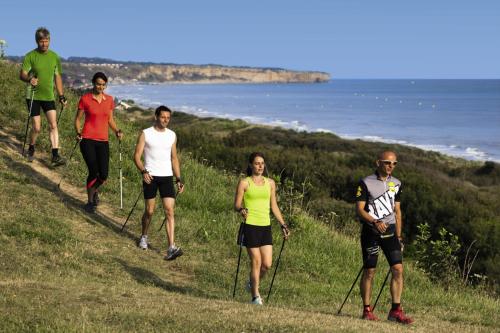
[41,68]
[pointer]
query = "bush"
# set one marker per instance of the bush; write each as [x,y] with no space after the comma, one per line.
[438,258]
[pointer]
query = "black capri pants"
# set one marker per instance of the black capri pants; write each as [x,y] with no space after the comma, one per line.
[96,156]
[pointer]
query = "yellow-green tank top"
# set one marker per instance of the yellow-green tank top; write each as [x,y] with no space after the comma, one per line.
[258,202]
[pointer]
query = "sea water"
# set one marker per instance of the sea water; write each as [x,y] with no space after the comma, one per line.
[456,117]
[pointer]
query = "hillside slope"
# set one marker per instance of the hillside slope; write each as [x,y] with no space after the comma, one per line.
[63,270]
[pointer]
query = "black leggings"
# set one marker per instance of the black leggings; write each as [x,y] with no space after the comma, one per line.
[96,156]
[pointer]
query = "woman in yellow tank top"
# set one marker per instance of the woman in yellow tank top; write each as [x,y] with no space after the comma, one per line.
[255,198]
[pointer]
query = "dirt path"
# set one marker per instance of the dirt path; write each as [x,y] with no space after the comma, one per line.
[11,147]
[75,196]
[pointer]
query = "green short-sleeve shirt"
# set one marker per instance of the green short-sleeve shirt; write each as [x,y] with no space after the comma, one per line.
[44,66]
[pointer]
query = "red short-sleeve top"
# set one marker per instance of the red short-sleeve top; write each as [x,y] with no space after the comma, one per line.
[97,116]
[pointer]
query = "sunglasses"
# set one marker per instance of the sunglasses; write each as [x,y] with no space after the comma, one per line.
[387,162]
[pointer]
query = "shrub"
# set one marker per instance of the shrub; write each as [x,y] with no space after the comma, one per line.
[438,258]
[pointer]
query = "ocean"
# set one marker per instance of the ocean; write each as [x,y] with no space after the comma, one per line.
[460,118]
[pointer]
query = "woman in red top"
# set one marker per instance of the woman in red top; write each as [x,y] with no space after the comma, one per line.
[98,109]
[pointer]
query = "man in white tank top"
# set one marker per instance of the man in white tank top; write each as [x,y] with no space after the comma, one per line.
[161,165]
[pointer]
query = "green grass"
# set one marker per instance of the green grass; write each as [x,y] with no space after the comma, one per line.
[64,271]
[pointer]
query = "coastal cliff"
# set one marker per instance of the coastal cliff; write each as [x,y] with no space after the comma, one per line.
[78,71]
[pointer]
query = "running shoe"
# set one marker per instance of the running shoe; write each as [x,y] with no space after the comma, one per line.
[143,243]
[173,253]
[257,300]
[95,200]
[369,315]
[58,160]
[89,207]
[399,316]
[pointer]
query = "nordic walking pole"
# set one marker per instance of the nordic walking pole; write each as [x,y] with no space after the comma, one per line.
[381,288]
[386,277]
[347,296]
[69,159]
[121,175]
[131,211]
[240,240]
[162,223]
[29,116]
[176,193]
[275,269]
[60,113]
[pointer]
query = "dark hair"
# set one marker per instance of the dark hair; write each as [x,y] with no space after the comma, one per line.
[99,75]
[160,109]
[252,158]
[42,32]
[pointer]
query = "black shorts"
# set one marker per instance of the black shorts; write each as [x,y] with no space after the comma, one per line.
[372,241]
[255,235]
[45,105]
[164,184]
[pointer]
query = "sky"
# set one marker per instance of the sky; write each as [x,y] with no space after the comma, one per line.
[348,39]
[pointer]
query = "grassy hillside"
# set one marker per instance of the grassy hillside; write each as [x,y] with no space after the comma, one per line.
[63,270]
[461,196]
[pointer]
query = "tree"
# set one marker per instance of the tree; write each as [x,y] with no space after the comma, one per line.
[3,46]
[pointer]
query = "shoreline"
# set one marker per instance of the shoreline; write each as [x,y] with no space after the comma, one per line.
[467,151]
[343,137]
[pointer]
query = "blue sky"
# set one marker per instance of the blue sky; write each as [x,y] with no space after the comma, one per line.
[348,39]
